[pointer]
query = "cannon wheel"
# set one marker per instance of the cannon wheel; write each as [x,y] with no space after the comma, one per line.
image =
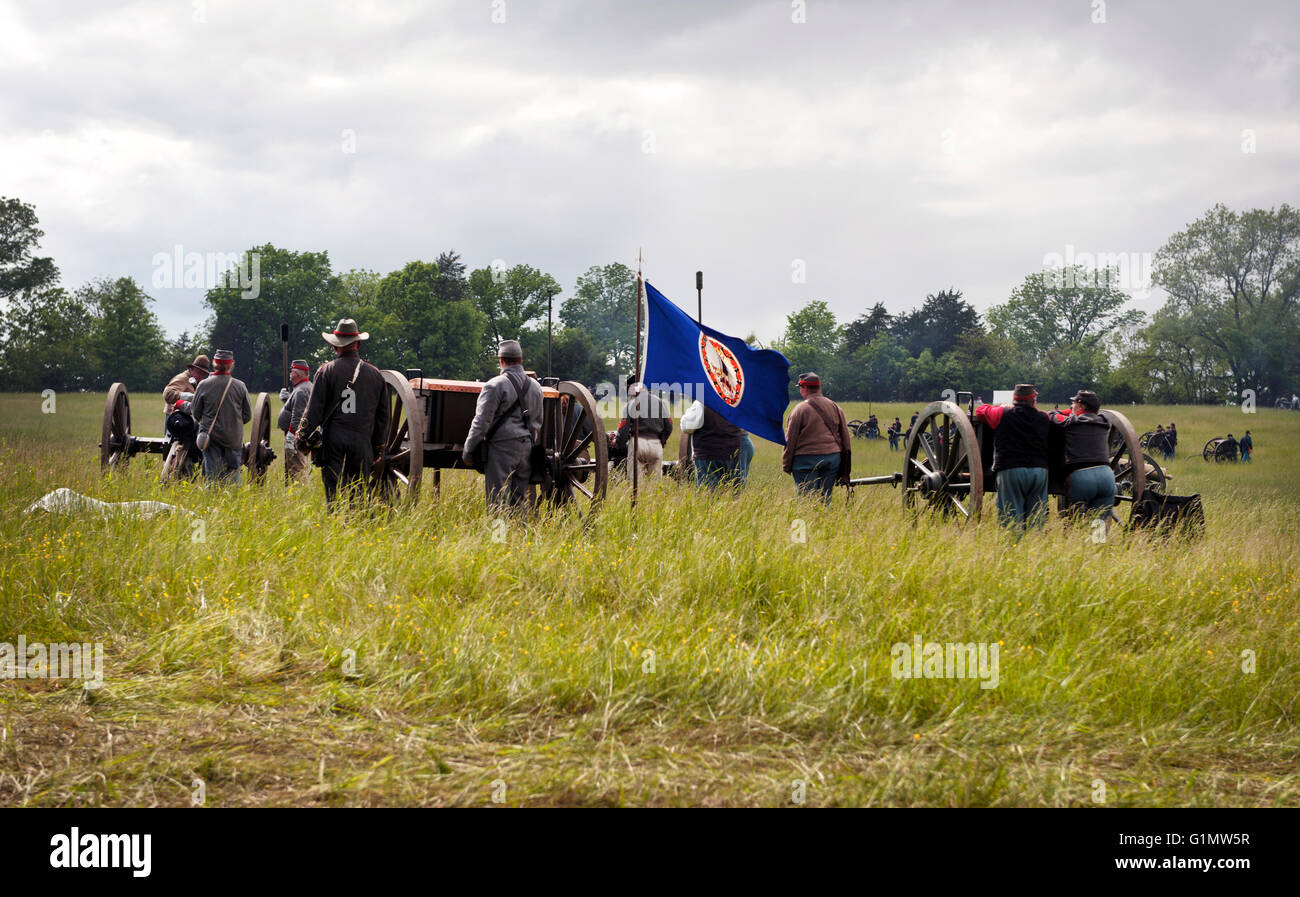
[1156,481]
[115,438]
[578,453]
[1208,452]
[258,454]
[944,475]
[1130,478]
[397,476]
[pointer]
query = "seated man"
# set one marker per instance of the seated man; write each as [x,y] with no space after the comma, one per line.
[181,387]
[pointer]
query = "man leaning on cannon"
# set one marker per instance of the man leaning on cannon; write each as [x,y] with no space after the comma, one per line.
[346,423]
[507,422]
[296,464]
[1020,433]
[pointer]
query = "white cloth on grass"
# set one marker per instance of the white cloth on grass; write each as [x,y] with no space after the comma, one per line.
[65,501]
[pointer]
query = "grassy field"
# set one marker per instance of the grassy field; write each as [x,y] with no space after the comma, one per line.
[697,655]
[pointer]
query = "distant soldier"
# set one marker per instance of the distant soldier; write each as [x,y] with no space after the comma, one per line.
[1171,441]
[655,425]
[895,434]
[1247,445]
[508,421]
[296,464]
[1020,433]
[817,441]
[181,387]
[346,422]
[220,409]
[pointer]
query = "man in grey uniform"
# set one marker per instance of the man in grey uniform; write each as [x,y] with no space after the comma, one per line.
[509,419]
[296,464]
[220,408]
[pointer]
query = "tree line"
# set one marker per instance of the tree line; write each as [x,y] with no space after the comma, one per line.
[1229,324]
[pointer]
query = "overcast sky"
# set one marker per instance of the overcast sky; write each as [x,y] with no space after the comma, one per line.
[887,150]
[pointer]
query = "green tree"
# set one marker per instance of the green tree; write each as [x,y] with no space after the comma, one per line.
[126,340]
[296,288]
[441,338]
[47,342]
[1061,318]
[1234,278]
[603,305]
[512,299]
[937,325]
[22,272]
[866,327]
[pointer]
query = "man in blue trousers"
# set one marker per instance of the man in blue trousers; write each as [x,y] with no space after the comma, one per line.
[1019,458]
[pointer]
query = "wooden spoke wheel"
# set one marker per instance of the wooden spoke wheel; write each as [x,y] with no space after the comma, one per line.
[1156,480]
[577,451]
[258,454]
[942,468]
[1219,450]
[115,437]
[398,472]
[1127,460]
[1208,452]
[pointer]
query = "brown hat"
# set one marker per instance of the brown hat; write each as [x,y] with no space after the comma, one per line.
[201,362]
[810,379]
[345,334]
[1024,392]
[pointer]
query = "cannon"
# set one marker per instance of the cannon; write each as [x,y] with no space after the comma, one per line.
[864,429]
[948,461]
[117,445]
[430,420]
[1220,449]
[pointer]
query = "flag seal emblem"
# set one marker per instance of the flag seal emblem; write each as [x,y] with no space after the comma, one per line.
[723,369]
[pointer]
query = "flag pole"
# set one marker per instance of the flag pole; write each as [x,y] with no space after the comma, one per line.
[636,418]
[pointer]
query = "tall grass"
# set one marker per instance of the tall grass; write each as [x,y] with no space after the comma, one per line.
[693,653]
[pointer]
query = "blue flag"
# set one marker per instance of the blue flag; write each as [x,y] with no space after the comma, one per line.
[748,387]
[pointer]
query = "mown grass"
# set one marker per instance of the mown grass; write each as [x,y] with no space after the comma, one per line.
[293,657]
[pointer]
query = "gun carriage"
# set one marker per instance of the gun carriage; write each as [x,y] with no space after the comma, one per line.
[118,445]
[1220,449]
[430,421]
[948,461]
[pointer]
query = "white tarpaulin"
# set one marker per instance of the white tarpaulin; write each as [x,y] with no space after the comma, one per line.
[65,501]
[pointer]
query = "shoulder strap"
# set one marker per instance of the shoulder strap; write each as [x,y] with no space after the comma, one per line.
[229,378]
[339,401]
[496,424]
[833,426]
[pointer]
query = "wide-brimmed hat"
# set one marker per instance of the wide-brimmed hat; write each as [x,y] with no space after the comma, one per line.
[345,334]
[201,363]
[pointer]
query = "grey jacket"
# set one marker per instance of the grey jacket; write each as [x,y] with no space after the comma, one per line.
[497,395]
[292,413]
[226,429]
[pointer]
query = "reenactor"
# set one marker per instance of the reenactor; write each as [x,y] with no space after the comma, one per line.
[182,385]
[296,464]
[1020,433]
[346,423]
[507,424]
[818,446]
[220,409]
